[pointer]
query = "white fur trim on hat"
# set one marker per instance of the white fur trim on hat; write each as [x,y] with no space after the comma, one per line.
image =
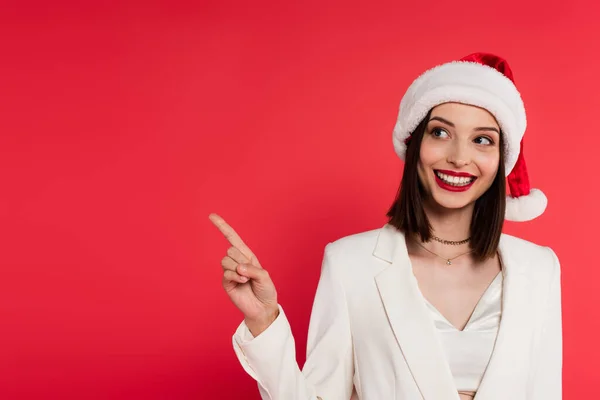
[469,83]
[526,207]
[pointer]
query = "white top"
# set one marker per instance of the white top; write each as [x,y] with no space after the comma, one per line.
[468,352]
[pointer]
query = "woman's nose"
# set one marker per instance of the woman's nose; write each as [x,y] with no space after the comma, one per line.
[459,155]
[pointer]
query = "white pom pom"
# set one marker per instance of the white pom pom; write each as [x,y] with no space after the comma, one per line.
[526,208]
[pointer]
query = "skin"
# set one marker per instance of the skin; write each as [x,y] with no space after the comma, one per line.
[459,138]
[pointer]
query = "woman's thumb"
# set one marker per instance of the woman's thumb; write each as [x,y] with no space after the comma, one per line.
[253,272]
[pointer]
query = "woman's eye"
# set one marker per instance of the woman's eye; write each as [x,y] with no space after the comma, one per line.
[484,140]
[439,132]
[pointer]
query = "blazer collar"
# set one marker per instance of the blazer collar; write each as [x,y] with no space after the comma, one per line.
[416,334]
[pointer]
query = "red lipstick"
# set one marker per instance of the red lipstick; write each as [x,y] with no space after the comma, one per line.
[454,173]
[451,188]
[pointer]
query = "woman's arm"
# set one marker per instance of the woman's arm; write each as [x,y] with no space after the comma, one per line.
[547,376]
[270,358]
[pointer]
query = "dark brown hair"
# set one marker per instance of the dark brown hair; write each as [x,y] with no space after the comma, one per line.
[407,213]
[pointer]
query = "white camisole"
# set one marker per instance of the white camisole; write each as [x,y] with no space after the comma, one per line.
[468,352]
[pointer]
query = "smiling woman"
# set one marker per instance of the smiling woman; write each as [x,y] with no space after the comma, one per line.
[465,148]
[438,304]
[438,153]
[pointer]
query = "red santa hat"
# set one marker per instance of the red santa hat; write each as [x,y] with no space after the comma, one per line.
[483,80]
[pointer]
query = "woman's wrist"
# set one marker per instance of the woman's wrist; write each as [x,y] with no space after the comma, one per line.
[259,325]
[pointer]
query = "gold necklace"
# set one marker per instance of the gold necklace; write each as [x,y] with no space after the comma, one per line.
[450,242]
[448,260]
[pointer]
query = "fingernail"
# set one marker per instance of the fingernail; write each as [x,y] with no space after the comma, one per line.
[243,269]
[244,279]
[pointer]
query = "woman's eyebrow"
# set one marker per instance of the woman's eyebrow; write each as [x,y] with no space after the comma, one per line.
[442,120]
[482,128]
[488,128]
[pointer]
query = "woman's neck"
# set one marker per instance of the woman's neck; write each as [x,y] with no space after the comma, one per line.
[450,224]
[447,224]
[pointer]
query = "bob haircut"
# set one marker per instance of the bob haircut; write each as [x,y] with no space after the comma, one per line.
[408,216]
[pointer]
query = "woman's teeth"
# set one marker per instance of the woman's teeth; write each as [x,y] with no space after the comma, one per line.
[455,180]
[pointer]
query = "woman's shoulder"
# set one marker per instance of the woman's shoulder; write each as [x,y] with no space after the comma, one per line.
[523,244]
[528,252]
[351,258]
[355,243]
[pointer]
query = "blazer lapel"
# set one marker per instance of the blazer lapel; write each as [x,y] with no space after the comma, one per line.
[408,316]
[513,342]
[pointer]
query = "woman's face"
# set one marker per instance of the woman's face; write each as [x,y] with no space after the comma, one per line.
[459,155]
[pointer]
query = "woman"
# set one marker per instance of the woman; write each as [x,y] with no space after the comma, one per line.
[437,304]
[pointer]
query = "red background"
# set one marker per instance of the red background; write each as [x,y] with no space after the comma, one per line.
[124,125]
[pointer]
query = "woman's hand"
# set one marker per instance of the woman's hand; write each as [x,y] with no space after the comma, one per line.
[247,283]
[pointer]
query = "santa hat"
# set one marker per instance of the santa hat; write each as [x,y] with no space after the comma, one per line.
[486,81]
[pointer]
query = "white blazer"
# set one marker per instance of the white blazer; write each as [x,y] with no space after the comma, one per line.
[372,337]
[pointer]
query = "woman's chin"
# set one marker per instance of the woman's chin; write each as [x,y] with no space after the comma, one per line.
[453,202]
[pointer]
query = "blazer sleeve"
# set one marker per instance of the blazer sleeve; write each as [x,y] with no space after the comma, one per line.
[270,358]
[547,376]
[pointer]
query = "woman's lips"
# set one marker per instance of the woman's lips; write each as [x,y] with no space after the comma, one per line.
[454,173]
[454,188]
[451,188]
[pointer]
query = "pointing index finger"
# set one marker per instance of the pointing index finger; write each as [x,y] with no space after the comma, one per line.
[233,238]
